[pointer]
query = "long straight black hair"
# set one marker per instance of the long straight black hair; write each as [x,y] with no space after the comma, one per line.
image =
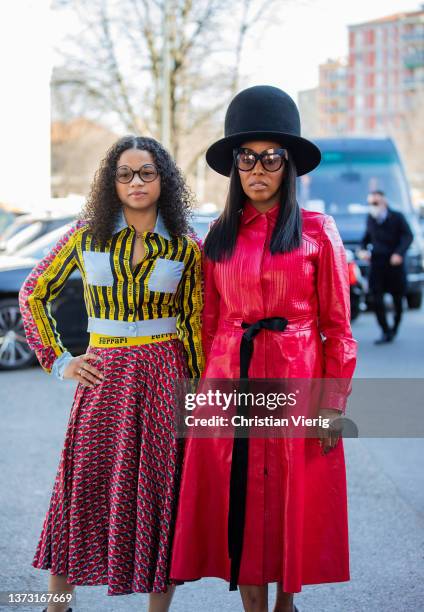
[287,235]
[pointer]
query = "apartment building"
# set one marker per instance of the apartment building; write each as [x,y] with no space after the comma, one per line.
[385,72]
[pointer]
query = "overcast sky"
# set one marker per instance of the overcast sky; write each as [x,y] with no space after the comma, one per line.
[308,34]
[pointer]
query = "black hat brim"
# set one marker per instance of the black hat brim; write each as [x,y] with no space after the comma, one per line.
[306,154]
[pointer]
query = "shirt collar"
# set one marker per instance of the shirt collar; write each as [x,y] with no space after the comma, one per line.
[249,212]
[121,223]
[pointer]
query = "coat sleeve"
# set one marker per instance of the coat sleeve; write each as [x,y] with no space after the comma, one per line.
[189,317]
[366,239]
[41,287]
[406,237]
[211,306]
[339,347]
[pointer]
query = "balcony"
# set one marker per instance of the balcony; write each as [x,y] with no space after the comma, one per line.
[414,36]
[413,82]
[414,60]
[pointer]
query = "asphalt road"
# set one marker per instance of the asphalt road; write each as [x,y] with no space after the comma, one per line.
[385,486]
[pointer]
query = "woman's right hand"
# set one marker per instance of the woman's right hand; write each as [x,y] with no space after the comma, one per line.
[80,369]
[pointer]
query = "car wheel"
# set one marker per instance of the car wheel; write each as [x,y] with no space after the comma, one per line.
[414,300]
[14,350]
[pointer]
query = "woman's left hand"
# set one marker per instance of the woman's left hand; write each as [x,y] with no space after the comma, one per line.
[329,436]
[396,259]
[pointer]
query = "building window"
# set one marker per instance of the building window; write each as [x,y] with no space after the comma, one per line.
[359,101]
[370,101]
[371,122]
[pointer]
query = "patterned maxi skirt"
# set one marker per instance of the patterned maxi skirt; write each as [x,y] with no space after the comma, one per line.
[112,509]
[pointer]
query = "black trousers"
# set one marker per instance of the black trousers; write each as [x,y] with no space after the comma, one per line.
[381,312]
[385,278]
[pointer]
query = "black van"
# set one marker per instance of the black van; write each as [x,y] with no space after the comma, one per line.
[349,170]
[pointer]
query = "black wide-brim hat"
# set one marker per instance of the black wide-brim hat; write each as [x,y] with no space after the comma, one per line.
[263,113]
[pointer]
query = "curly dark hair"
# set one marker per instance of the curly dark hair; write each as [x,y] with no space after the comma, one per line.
[103,205]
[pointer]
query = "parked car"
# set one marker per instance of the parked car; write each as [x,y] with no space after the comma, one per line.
[358,286]
[27,228]
[68,309]
[201,223]
[7,217]
[350,168]
[420,210]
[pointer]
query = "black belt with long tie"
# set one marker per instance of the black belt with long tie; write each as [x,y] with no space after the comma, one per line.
[239,462]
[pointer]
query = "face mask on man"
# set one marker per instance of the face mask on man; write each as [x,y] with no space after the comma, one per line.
[376,209]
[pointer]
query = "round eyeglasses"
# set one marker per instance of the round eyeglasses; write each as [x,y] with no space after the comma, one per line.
[147,173]
[271,159]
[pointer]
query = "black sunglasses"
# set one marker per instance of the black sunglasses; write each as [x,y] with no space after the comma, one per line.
[271,159]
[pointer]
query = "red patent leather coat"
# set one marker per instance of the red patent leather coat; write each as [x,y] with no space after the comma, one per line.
[296,528]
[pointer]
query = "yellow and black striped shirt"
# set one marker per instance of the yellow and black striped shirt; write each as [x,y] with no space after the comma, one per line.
[160,297]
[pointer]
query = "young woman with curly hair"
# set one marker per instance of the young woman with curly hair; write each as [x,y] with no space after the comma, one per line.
[111,513]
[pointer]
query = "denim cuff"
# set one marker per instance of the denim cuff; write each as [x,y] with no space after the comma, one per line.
[60,364]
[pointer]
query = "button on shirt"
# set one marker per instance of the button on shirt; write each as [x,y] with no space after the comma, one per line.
[165,284]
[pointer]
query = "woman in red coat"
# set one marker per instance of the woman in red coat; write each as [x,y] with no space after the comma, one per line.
[262,510]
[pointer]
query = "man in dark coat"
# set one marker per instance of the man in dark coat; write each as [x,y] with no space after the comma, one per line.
[390,236]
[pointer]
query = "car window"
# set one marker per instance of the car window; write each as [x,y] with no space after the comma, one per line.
[23,237]
[201,225]
[341,183]
[14,228]
[41,247]
[6,220]
[54,223]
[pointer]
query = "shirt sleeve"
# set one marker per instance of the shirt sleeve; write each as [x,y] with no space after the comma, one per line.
[44,284]
[189,316]
[406,236]
[339,347]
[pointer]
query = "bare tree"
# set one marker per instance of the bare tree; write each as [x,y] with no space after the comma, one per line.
[113,68]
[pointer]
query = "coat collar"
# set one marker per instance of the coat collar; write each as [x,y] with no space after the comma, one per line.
[249,212]
[379,220]
[121,223]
